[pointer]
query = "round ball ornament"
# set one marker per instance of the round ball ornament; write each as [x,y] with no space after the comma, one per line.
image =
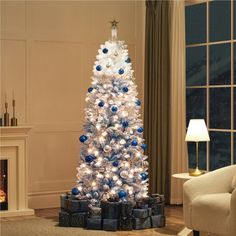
[122,194]
[125,89]
[124,174]
[125,124]
[115,163]
[83,138]
[114,109]
[144,176]
[138,102]
[89,159]
[101,104]
[107,148]
[121,71]
[96,195]
[90,89]
[75,191]
[106,187]
[105,50]
[98,68]
[134,142]
[128,60]
[144,146]
[140,130]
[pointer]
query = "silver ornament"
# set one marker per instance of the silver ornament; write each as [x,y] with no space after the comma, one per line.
[107,148]
[106,187]
[124,174]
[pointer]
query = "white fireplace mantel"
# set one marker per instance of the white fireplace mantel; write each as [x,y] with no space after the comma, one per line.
[13,147]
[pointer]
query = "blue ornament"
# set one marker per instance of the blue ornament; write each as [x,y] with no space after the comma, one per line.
[105,50]
[75,191]
[144,146]
[83,138]
[115,163]
[125,124]
[90,89]
[140,130]
[138,102]
[101,104]
[134,142]
[121,71]
[114,108]
[89,158]
[122,194]
[125,89]
[128,60]
[144,176]
[98,68]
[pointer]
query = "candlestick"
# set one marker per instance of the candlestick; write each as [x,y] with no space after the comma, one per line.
[6,114]
[13,119]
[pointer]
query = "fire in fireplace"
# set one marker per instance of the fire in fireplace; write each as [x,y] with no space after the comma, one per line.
[3,185]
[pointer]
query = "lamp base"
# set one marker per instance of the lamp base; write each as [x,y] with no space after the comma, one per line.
[196,172]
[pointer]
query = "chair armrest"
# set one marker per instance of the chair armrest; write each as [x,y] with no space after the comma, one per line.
[218,181]
[232,218]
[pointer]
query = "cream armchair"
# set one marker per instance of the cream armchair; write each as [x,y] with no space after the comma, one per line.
[210,202]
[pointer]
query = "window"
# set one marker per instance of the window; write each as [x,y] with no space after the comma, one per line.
[211,79]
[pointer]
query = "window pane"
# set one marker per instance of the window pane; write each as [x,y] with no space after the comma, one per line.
[201,155]
[195,103]
[196,23]
[220,64]
[219,150]
[220,108]
[219,20]
[235,110]
[196,66]
[234,19]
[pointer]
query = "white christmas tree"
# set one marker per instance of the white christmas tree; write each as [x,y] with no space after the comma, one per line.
[113,164]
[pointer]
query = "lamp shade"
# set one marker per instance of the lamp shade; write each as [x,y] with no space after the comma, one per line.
[197,131]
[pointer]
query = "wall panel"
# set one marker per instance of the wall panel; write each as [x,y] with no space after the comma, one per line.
[48,51]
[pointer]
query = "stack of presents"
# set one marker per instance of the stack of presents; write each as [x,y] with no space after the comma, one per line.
[112,215]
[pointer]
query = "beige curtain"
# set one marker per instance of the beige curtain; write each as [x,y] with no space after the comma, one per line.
[178,148]
[164,116]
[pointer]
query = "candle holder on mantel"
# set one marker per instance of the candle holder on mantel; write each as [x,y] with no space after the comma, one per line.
[13,119]
[6,115]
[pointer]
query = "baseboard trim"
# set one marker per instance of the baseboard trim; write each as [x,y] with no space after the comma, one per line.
[46,199]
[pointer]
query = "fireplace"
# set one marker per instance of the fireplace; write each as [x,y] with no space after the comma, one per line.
[13,172]
[3,185]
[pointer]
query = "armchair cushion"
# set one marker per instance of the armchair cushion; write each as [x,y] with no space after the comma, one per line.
[205,211]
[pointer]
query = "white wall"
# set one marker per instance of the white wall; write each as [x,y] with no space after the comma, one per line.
[47,52]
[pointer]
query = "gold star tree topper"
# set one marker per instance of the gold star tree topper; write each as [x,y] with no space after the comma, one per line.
[114,23]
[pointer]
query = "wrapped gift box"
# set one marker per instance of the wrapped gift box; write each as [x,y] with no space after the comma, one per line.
[142,213]
[94,223]
[79,219]
[111,210]
[64,219]
[110,224]
[126,224]
[158,209]
[63,198]
[139,223]
[75,205]
[158,221]
[126,210]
